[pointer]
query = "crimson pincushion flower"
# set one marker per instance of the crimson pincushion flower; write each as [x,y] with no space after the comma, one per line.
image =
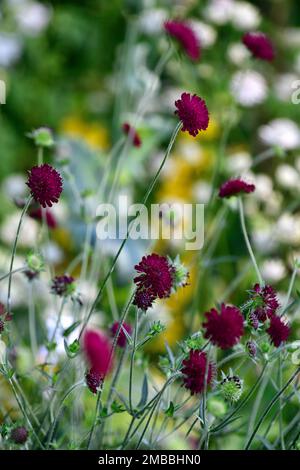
[194,370]
[235,186]
[45,184]
[19,435]
[156,275]
[93,380]
[265,301]
[98,352]
[224,328]
[122,339]
[63,285]
[144,299]
[278,331]
[185,35]
[193,113]
[132,133]
[259,45]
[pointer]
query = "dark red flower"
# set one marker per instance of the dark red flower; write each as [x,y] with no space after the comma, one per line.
[5,317]
[156,275]
[122,339]
[144,299]
[45,184]
[132,133]
[93,380]
[63,285]
[224,329]
[234,187]
[265,302]
[19,435]
[278,331]
[259,45]
[37,214]
[251,348]
[185,36]
[193,113]
[98,351]
[194,369]
[253,320]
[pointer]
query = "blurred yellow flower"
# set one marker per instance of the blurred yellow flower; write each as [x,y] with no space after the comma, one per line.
[94,133]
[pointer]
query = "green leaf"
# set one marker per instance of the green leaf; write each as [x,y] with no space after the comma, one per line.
[73,349]
[71,328]
[144,395]
[170,411]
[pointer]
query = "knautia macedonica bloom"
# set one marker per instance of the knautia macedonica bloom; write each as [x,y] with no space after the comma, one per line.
[259,45]
[278,331]
[156,274]
[144,299]
[193,113]
[98,352]
[19,435]
[194,370]
[45,184]
[132,134]
[235,186]
[251,348]
[122,339]
[93,381]
[231,388]
[63,286]
[185,35]
[265,302]
[224,328]
[37,214]
[253,320]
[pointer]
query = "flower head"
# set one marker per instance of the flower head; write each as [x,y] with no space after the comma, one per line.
[235,186]
[179,272]
[37,214]
[19,435]
[63,285]
[194,370]
[144,299]
[132,134]
[278,331]
[259,45]
[193,113]
[4,317]
[265,302]
[45,184]
[251,348]
[185,36]
[98,352]
[93,380]
[42,137]
[156,274]
[253,320]
[224,329]
[122,339]
[231,388]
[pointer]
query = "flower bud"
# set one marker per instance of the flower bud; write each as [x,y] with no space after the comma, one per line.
[231,388]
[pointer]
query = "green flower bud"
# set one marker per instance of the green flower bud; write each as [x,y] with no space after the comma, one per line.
[35,262]
[180,273]
[42,137]
[265,347]
[231,388]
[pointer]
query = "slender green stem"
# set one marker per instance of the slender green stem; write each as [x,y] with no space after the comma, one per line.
[203,402]
[98,407]
[247,241]
[24,210]
[280,402]
[291,285]
[32,323]
[132,358]
[18,270]
[269,407]
[40,155]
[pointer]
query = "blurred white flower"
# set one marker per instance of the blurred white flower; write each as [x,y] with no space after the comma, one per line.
[2,352]
[273,270]
[14,186]
[238,53]
[10,49]
[245,16]
[249,88]
[219,11]
[263,239]
[283,86]
[151,20]
[263,186]
[282,132]
[19,290]
[287,229]
[32,17]
[238,162]
[202,192]
[28,233]
[273,203]
[287,177]
[206,34]
[52,253]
